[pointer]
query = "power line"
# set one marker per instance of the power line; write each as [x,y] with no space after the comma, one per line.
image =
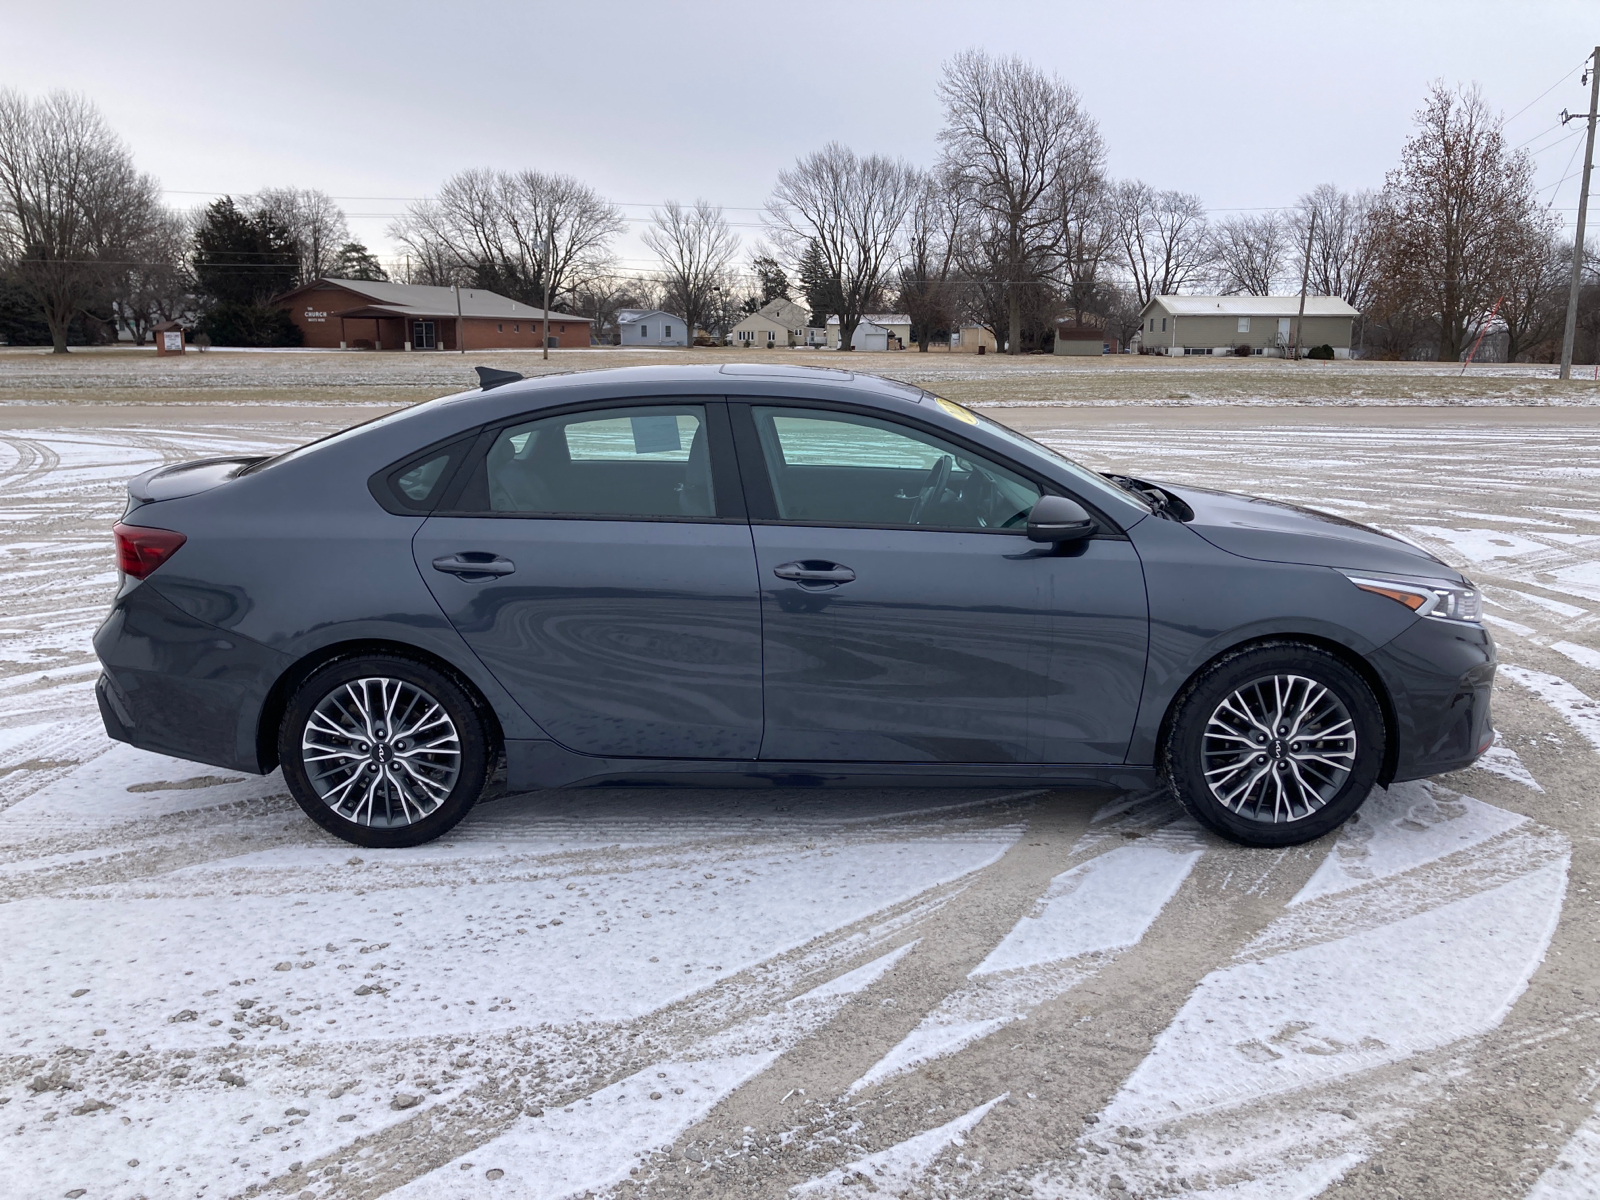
[1546,92]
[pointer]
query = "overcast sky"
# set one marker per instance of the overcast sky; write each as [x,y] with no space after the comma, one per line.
[1248,104]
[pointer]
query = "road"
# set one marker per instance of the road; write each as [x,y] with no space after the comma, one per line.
[736,993]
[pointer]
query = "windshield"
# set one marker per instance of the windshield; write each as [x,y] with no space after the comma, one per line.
[1090,479]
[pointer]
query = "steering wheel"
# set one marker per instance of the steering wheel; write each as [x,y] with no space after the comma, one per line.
[933,489]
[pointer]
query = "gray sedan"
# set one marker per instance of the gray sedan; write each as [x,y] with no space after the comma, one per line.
[700,575]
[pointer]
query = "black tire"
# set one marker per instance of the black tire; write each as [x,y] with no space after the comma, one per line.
[383,790]
[1274,789]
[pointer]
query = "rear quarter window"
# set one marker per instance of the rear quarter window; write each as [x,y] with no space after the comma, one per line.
[417,484]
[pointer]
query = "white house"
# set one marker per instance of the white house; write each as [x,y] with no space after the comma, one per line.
[897,327]
[651,327]
[868,336]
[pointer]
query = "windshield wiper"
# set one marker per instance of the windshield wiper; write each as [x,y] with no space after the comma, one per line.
[1153,496]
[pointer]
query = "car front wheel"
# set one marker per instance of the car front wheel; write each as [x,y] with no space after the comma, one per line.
[1275,745]
[383,751]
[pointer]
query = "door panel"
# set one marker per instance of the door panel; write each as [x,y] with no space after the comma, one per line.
[620,638]
[901,625]
[950,647]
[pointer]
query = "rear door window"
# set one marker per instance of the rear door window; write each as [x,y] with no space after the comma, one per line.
[645,461]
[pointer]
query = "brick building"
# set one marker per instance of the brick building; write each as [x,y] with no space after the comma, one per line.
[360,314]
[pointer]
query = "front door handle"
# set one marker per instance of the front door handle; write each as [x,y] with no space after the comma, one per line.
[814,571]
[474,565]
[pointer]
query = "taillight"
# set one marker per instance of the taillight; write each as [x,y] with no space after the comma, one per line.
[141,550]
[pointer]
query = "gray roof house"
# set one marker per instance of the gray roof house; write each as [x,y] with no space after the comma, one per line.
[1192,325]
[650,327]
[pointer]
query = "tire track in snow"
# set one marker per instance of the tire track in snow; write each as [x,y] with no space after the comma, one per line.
[1338,1030]
[607,1052]
[953,941]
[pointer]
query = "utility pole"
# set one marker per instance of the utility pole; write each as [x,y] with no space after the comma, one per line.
[461,343]
[1571,331]
[549,254]
[1305,280]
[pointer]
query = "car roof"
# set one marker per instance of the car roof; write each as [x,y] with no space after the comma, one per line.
[702,379]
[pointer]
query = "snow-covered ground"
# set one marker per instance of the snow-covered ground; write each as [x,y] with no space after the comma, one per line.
[736,993]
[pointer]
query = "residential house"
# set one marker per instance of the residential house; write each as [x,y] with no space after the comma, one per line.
[779,322]
[1191,325]
[650,327]
[897,327]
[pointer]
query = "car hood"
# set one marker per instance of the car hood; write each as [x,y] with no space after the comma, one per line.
[1276,532]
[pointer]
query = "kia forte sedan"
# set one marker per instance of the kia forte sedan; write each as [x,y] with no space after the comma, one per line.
[701,575]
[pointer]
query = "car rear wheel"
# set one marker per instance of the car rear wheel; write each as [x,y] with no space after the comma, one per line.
[1275,745]
[383,751]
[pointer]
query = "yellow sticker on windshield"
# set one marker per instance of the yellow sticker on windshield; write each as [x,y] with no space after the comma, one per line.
[955,410]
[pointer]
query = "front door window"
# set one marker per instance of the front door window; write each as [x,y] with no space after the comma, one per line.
[841,468]
[422,335]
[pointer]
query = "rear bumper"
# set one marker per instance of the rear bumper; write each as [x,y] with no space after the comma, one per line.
[178,686]
[1439,675]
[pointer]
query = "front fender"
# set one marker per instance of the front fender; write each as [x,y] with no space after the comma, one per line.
[1205,601]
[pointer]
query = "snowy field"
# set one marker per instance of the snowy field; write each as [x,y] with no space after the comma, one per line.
[824,994]
[286,378]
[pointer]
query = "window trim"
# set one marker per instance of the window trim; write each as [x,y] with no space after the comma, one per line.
[762,505]
[726,484]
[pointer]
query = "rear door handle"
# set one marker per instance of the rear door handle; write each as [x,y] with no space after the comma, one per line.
[814,571]
[474,565]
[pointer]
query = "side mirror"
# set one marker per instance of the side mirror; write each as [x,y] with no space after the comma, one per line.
[1057,519]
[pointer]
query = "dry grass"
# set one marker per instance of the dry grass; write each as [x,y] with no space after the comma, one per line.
[133,377]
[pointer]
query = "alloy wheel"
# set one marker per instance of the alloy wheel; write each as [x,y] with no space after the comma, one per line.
[381,752]
[1278,748]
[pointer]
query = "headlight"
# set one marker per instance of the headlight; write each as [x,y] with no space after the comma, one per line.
[1441,601]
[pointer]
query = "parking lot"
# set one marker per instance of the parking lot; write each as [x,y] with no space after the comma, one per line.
[735,993]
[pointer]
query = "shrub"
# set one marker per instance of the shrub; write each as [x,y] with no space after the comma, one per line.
[1322,351]
[1241,351]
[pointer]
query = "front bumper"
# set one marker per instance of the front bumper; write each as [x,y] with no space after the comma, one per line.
[1439,675]
[179,686]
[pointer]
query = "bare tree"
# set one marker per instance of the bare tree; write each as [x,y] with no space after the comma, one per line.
[1021,143]
[1452,216]
[851,209]
[155,283]
[73,208]
[928,288]
[1088,249]
[695,246]
[1249,252]
[602,296]
[316,223]
[1342,243]
[507,231]
[1534,304]
[1162,236]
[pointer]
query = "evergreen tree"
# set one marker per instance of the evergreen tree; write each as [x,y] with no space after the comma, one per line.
[820,285]
[773,278]
[355,261]
[241,263]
